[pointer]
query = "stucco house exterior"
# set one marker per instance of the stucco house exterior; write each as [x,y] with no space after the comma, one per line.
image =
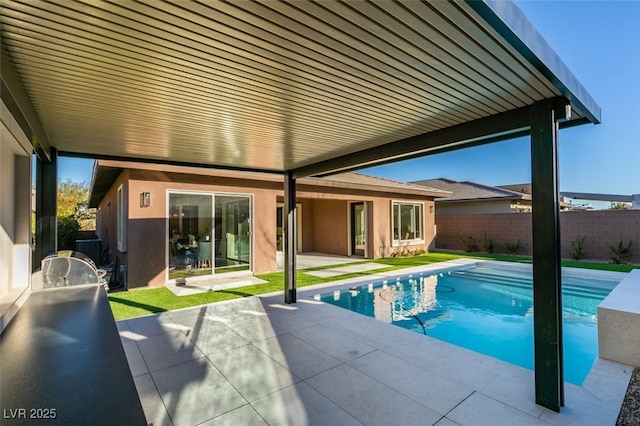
[172,223]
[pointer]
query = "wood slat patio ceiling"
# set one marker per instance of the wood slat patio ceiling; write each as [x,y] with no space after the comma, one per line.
[267,86]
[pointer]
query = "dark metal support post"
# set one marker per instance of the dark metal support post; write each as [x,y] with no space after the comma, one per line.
[290,229]
[547,297]
[46,207]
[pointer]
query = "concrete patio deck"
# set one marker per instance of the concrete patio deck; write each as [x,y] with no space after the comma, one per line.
[314,260]
[256,361]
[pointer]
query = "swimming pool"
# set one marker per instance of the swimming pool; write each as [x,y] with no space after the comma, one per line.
[485,309]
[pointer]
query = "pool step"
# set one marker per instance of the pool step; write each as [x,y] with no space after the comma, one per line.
[526,283]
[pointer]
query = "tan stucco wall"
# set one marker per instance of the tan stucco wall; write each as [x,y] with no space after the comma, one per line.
[330,227]
[325,220]
[148,225]
[382,244]
[108,215]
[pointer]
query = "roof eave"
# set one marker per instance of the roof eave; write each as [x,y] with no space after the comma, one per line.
[470,200]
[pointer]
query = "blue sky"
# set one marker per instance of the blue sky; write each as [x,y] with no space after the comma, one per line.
[600,43]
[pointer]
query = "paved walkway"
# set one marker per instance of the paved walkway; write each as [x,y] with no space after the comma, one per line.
[256,361]
[315,260]
[349,269]
[214,284]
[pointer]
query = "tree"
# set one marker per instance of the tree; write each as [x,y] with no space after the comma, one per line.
[618,206]
[73,202]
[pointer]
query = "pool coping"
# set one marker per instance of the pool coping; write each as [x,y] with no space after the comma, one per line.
[600,366]
[618,313]
[447,266]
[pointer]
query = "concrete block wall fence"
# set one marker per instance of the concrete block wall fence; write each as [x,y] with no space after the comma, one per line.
[602,228]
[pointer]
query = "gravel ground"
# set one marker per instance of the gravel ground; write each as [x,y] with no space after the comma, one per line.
[630,410]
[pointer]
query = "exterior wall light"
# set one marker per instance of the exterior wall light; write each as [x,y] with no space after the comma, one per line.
[145,199]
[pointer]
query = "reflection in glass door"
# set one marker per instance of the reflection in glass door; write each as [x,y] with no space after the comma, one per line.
[189,235]
[232,233]
[207,234]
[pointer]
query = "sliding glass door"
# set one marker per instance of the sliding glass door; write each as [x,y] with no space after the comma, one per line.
[189,234]
[208,234]
[232,233]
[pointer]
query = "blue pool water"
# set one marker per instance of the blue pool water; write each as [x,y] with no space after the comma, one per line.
[487,310]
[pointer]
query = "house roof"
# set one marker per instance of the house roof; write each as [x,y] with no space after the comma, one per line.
[471,191]
[277,86]
[105,173]
[377,183]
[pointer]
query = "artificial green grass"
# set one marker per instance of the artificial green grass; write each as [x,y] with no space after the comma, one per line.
[146,301]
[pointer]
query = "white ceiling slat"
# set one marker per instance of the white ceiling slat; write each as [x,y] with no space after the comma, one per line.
[116,94]
[536,79]
[267,85]
[62,27]
[167,94]
[493,53]
[183,82]
[238,23]
[365,67]
[230,47]
[421,53]
[453,58]
[379,44]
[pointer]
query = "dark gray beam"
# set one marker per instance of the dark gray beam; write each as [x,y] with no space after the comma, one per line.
[46,207]
[508,20]
[547,287]
[503,126]
[164,161]
[15,97]
[290,229]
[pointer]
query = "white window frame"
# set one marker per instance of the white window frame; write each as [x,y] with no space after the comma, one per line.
[121,218]
[395,217]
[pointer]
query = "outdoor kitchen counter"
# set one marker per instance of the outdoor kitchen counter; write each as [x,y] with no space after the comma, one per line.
[62,363]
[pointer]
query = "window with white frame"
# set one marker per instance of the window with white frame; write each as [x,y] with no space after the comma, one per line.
[407,221]
[121,218]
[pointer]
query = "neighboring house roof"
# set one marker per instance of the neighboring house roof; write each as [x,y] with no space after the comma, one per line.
[471,191]
[524,188]
[105,173]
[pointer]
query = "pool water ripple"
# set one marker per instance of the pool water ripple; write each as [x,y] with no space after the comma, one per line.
[485,309]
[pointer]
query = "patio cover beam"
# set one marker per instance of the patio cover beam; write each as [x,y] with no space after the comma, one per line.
[46,207]
[290,228]
[14,95]
[547,287]
[503,126]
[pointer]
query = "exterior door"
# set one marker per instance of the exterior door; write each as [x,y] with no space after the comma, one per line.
[189,235]
[208,234]
[358,229]
[232,233]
